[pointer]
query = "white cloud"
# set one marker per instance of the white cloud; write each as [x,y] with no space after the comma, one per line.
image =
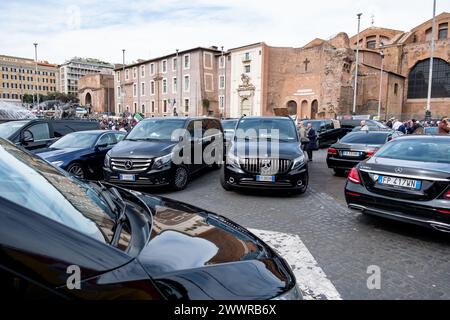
[148,28]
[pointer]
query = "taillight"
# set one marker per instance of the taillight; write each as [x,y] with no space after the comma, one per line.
[443,211]
[332,151]
[447,195]
[371,153]
[353,176]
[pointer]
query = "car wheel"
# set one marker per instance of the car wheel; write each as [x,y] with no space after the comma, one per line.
[224,184]
[77,169]
[180,178]
[339,172]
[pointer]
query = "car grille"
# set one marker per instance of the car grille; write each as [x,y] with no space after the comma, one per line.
[267,166]
[131,165]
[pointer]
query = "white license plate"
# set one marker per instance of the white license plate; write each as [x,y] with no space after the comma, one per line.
[400,182]
[127,177]
[351,154]
[265,178]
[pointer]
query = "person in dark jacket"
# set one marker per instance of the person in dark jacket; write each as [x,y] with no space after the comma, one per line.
[312,145]
[403,127]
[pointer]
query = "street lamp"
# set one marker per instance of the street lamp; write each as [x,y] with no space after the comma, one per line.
[178,103]
[430,79]
[122,87]
[36,73]
[381,81]
[357,64]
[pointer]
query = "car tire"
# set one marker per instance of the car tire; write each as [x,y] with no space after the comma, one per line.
[78,170]
[224,184]
[339,172]
[180,178]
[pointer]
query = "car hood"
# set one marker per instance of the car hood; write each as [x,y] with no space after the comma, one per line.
[56,154]
[286,150]
[191,249]
[142,149]
[413,168]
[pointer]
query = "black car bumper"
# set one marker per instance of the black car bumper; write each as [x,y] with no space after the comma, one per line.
[424,213]
[293,180]
[342,164]
[145,179]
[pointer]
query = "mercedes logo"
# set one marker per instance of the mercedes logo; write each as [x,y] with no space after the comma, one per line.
[128,164]
[398,170]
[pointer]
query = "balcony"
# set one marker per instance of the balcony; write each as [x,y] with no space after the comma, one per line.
[246,58]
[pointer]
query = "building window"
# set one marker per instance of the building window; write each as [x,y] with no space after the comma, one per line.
[371,42]
[187,83]
[152,88]
[135,107]
[222,62]
[118,92]
[247,56]
[247,69]
[221,102]
[134,90]
[419,75]
[127,74]
[143,89]
[222,82]
[174,85]
[153,106]
[119,108]
[152,69]
[396,89]
[428,35]
[164,106]
[187,61]
[186,105]
[143,108]
[164,86]
[118,76]
[134,73]
[443,31]
[174,64]
[143,71]
[164,66]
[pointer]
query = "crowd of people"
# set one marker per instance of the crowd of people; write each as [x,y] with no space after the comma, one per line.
[417,127]
[123,124]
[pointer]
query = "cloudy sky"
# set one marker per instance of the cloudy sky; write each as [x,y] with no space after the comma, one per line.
[149,28]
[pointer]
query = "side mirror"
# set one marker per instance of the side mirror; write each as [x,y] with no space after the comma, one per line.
[27,137]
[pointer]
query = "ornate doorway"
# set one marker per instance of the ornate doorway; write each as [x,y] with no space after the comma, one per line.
[88,99]
[246,107]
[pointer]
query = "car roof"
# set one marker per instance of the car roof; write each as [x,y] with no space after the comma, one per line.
[98,132]
[424,137]
[180,118]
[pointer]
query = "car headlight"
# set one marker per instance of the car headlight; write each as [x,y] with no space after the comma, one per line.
[293,294]
[57,163]
[162,162]
[107,162]
[300,161]
[233,161]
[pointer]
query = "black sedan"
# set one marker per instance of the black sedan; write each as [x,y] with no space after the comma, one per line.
[356,147]
[64,238]
[82,153]
[406,180]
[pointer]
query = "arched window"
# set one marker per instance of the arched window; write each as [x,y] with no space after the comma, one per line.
[292,108]
[418,80]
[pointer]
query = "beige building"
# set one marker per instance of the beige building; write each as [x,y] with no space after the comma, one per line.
[18,77]
[187,82]
[96,92]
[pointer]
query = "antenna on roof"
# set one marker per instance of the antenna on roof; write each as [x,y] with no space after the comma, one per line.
[373,19]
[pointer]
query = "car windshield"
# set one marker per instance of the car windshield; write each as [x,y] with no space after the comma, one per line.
[277,129]
[76,140]
[372,138]
[423,150]
[158,129]
[229,124]
[8,128]
[33,183]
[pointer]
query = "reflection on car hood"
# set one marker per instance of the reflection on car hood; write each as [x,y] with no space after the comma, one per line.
[55,154]
[142,149]
[190,246]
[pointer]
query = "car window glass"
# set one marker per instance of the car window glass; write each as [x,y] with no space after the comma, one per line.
[39,131]
[120,137]
[437,151]
[210,124]
[109,139]
[365,138]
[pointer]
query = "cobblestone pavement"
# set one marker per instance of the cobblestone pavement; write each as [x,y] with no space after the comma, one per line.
[414,262]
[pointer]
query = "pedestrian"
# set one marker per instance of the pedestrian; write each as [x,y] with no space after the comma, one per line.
[413,127]
[396,124]
[312,144]
[403,128]
[302,132]
[444,127]
[364,126]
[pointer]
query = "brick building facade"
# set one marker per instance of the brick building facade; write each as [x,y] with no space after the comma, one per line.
[97,92]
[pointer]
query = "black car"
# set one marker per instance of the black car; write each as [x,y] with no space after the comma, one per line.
[406,180]
[145,157]
[64,238]
[40,133]
[82,153]
[356,147]
[266,154]
[229,125]
[327,132]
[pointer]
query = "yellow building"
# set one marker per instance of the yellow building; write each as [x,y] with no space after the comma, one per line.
[18,77]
